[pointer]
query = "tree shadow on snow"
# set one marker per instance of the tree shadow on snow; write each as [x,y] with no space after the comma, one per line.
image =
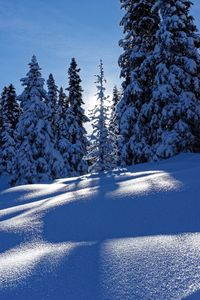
[97,217]
[74,277]
[101,217]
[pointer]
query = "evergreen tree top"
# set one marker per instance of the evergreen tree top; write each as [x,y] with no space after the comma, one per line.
[75,98]
[100,112]
[11,90]
[8,91]
[51,81]
[75,89]
[52,91]
[33,77]
[34,85]
[73,72]
[100,80]
[11,87]
[10,108]
[4,91]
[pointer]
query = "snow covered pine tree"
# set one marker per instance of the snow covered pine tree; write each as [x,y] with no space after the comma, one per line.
[160,110]
[175,103]
[10,112]
[115,100]
[52,102]
[2,99]
[63,136]
[102,154]
[115,138]
[77,118]
[36,158]
[140,25]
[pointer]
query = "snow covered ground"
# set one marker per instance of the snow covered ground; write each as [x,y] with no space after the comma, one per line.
[134,235]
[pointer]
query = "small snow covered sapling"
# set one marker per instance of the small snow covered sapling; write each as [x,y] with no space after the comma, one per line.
[102,152]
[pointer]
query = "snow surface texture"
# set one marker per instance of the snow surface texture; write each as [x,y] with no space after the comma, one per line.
[134,235]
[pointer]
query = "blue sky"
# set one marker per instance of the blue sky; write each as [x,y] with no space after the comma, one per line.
[56,31]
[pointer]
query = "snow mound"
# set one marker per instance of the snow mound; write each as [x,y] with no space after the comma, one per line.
[128,235]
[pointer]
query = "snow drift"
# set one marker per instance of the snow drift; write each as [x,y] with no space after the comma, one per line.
[129,235]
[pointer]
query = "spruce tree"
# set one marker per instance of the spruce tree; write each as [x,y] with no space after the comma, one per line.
[11,107]
[175,103]
[8,150]
[9,119]
[115,138]
[77,119]
[52,102]
[63,100]
[2,99]
[63,137]
[36,158]
[102,154]
[115,101]
[140,24]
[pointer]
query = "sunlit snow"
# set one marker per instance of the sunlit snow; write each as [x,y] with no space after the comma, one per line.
[132,234]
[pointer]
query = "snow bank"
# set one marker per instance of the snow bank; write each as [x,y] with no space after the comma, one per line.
[133,235]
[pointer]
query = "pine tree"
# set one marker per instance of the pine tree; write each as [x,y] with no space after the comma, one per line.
[36,159]
[8,151]
[77,119]
[115,138]
[52,102]
[11,107]
[102,155]
[2,100]
[63,137]
[175,103]
[9,119]
[63,100]
[115,101]
[137,67]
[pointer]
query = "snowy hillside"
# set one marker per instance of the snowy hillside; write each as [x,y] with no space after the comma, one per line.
[127,236]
